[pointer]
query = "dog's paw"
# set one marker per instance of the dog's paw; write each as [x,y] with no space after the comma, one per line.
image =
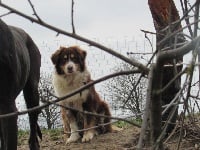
[88,136]
[73,138]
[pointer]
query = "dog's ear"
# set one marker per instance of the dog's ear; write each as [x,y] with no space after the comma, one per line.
[55,56]
[81,56]
[84,54]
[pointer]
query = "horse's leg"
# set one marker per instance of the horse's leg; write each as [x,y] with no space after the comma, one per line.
[1,137]
[8,133]
[31,96]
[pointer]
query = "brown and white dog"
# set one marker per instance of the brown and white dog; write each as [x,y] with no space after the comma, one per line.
[70,74]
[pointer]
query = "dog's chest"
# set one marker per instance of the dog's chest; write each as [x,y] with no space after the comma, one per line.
[66,85]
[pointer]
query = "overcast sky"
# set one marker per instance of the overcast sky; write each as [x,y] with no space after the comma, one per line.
[93,18]
[101,20]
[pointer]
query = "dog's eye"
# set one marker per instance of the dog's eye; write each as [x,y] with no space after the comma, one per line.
[74,58]
[64,59]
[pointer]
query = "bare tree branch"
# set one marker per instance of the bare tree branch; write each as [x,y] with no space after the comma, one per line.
[196,17]
[34,11]
[146,116]
[73,93]
[173,80]
[172,54]
[93,114]
[185,11]
[145,33]
[70,94]
[6,14]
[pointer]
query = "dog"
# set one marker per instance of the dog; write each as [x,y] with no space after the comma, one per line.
[20,62]
[70,74]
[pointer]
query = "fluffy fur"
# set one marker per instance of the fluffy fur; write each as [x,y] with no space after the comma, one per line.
[70,74]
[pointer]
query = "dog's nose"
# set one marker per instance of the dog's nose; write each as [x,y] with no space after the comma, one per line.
[70,68]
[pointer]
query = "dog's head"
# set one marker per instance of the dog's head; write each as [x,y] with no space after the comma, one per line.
[69,60]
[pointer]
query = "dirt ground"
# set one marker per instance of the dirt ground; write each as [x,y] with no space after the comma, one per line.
[117,140]
[125,139]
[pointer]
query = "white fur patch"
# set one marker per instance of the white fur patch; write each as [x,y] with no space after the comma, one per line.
[69,64]
[74,135]
[65,84]
[88,135]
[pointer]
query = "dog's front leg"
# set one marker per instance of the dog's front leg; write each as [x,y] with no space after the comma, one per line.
[74,128]
[90,132]
[65,121]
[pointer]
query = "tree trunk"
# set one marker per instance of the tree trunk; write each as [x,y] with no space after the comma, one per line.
[164,15]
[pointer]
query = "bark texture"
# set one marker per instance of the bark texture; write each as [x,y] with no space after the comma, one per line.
[165,17]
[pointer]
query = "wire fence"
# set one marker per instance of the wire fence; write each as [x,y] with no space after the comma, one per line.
[99,63]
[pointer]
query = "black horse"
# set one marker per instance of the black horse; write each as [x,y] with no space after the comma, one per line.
[20,62]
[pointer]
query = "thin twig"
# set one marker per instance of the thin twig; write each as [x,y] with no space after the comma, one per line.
[172,102]
[163,133]
[6,14]
[195,97]
[94,127]
[191,73]
[179,52]
[139,53]
[34,11]
[171,81]
[93,114]
[72,18]
[149,62]
[185,11]
[145,33]
[86,129]
[183,118]
[196,17]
